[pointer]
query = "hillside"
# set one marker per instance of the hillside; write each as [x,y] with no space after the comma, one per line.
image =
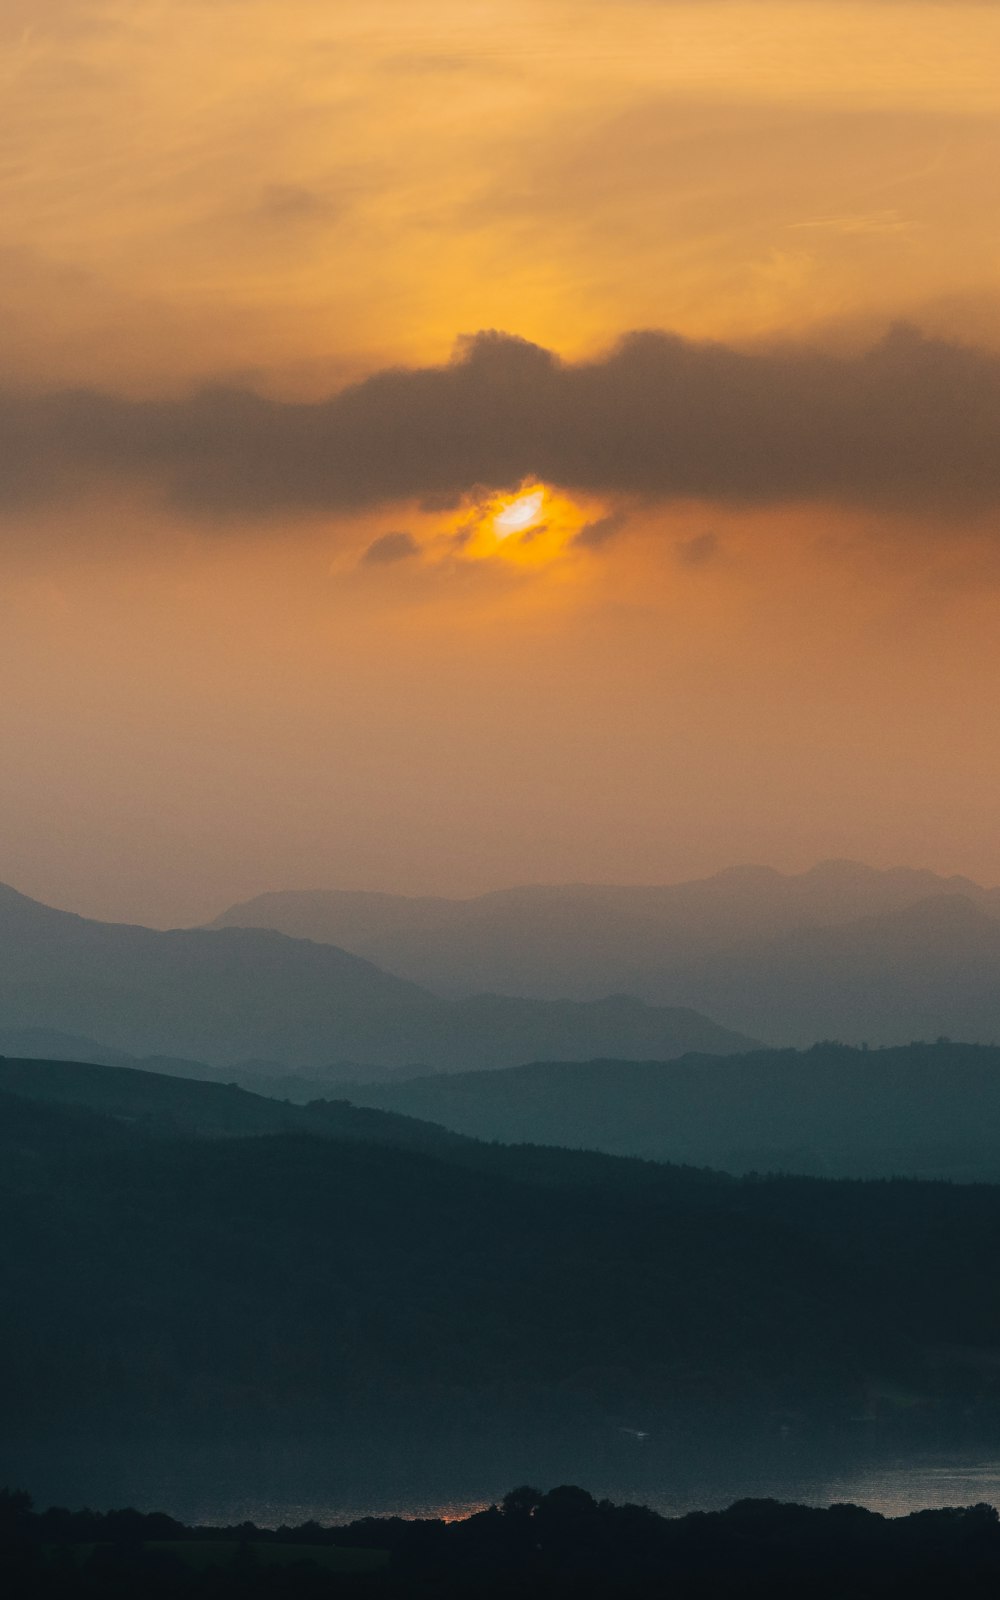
[240,994]
[532,1543]
[268,1078]
[321,1280]
[919,1110]
[155,1106]
[283,1290]
[841,951]
[583,939]
[917,972]
[63,1101]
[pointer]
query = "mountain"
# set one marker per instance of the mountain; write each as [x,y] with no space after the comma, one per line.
[48,1044]
[268,1078]
[918,972]
[156,1106]
[224,997]
[918,1110]
[842,950]
[282,1289]
[63,1101]
[325,1283]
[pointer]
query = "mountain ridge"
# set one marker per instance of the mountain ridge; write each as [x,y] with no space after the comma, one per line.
[731,945]
[233,995]
[917,1111]
[168,1290]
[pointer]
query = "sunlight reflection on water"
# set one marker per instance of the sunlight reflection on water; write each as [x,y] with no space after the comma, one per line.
[892,1488]
[291,1483]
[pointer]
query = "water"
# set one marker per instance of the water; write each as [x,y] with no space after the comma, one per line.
[892,1488]
[295,1487]
[894,1491]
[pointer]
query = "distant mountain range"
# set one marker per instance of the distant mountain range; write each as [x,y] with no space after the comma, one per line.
[251,994]
[842,951]
[924,1111]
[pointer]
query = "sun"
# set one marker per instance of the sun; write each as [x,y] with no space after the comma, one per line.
[517,516]
[532,528]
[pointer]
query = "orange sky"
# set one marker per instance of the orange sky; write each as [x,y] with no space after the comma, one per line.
[784,647]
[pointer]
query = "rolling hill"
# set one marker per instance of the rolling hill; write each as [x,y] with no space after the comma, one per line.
[924,970]
[226,997]
[283,1290]
[918,1111]
[841,951]
[156,1106]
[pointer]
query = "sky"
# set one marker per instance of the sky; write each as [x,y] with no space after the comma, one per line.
[448,444]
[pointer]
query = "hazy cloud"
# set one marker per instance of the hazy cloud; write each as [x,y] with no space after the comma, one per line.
[293,202]
[594,534]
[698,551]
[390,547]
[26,19]
[912,424]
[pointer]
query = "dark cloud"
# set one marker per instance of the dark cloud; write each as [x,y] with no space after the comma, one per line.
[912,424]
[450,500]
[593,534]
[390,547]
[699,550]
[533,533]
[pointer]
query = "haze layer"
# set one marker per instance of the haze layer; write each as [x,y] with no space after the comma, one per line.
[447,445]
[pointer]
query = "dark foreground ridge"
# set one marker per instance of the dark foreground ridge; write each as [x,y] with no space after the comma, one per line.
[561,1543]
[185,1265]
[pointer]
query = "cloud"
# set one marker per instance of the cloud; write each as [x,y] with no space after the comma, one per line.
[698,551]
[293,202]
[390,547]
[593,534]
[912,424]
[25,19]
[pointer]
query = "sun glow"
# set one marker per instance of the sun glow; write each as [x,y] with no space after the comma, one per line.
[533,527]
[519,515]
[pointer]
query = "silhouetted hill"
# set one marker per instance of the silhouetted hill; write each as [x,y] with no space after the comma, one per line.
[922,970]
[240,1283]
[58,1097]
[584,940]
[918,1110]
[157,1106]
[288,1287]
[268,1078]
[228,996]
[48,1044]
[37,1139]
[537,1545]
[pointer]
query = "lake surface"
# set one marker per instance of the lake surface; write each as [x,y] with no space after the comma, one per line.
[892,1488]
[292,1487]
[312,1482]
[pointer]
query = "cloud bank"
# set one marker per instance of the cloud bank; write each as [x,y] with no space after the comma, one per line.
[912,425]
